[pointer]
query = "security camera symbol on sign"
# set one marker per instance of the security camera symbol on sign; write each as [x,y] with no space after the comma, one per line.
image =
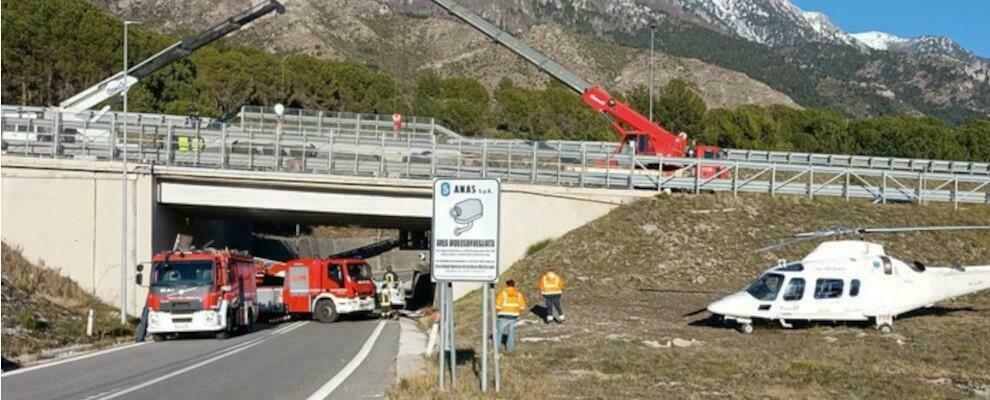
[466,212]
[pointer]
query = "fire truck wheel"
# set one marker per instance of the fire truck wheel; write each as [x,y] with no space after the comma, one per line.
[326,312]
[224,334]
[249,327]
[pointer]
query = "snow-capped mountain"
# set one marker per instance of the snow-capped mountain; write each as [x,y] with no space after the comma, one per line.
[878,40]
[769,22]
[927,45]
[799,53]
[780,23]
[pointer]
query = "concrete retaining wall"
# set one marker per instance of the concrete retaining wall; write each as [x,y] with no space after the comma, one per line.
[71,220]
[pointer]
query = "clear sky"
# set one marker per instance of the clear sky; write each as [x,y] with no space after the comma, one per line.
[965,21]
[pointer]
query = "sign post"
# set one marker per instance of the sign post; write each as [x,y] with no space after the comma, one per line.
[465,247]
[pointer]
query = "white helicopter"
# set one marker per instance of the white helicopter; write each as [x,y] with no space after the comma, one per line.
[848,280]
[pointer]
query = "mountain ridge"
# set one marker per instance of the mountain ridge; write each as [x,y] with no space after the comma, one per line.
[797,57]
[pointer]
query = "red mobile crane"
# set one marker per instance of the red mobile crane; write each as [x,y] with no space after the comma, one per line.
[649,137]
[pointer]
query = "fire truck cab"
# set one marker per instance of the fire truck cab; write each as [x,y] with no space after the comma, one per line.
[201,291]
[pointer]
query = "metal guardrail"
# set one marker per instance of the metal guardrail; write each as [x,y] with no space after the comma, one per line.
[421,124]
[845,160]
[351,144]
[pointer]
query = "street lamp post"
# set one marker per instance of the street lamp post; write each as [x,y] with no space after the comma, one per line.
[123,192]
[653,31]
[279,113]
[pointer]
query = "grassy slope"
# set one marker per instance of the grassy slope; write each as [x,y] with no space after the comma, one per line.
[706,243]
[43,310]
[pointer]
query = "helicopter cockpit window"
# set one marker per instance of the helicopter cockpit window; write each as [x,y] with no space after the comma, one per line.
[828,288]
[791,267]
[766,287]
[795,289]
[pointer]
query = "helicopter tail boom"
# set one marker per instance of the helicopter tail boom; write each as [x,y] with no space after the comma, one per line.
[957,281]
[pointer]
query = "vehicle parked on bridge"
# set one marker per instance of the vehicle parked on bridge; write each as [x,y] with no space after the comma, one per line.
[323,288]
[201,291]
[637,132]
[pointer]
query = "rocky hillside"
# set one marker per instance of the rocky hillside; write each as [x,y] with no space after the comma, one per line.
[406,39]
[44,313]
[637,276]
[765,51]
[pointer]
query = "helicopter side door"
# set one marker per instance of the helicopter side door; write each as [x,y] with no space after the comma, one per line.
[790,302]
[827,297]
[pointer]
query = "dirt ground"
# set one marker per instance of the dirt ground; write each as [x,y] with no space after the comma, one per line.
[637,277]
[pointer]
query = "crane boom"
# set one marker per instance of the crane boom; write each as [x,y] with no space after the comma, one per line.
[114,85]
[648,136]
[551,67]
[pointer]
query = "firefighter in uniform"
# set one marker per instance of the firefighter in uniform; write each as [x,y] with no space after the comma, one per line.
[385,293]
[509,303]
[390,276]
[551,288]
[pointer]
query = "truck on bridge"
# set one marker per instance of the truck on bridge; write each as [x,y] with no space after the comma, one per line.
[109,91]
[201,291]
[642,135]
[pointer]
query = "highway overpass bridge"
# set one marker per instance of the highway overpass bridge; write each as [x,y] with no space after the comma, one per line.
[67,212]
[61,180]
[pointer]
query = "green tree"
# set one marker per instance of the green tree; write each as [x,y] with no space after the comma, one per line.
[974,138]
[680,109]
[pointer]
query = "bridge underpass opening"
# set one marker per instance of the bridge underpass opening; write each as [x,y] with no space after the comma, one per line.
[277,234]
[233,215]
[283,235]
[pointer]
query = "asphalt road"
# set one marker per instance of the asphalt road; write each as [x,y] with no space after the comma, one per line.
[293,360]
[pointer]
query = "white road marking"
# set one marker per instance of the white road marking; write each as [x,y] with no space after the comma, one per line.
[71,359]
[284,328]
[292,328]
[233,350]
[341,376]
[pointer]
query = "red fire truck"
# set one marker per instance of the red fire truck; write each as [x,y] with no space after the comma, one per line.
[324,288]
[201,291]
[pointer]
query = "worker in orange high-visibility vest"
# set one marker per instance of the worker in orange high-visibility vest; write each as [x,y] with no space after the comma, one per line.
[552,288]
[509,303]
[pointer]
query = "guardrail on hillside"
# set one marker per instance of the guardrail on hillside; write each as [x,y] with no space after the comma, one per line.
[356,145]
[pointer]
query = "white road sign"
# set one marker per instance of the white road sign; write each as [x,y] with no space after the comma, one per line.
[465,229]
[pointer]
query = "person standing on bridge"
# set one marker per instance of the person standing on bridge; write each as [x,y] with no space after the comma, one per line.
[509,303]
[552,288]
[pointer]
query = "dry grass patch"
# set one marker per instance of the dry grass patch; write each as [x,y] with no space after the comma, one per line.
[615,338]
[44,310]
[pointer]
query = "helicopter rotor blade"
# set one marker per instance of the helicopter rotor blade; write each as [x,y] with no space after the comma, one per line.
[788,243]
[924,229]
[838,230]
[695,312]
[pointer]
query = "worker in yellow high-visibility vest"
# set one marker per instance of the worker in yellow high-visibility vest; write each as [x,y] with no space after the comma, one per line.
[388,289]
[184,145]
[509,303]
[552,288]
